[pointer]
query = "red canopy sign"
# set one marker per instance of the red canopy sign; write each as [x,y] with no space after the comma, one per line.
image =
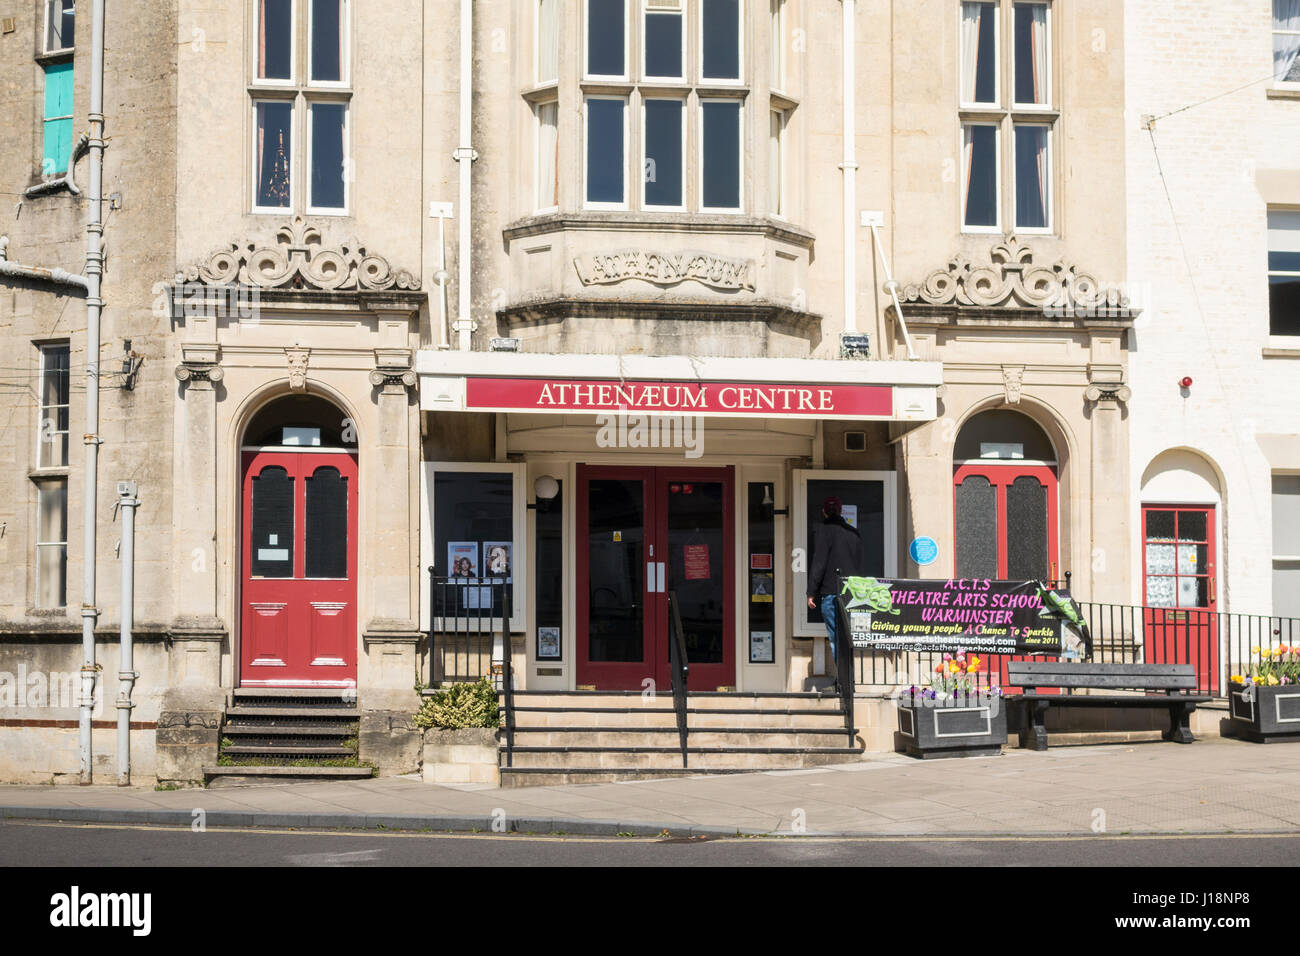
[708,398]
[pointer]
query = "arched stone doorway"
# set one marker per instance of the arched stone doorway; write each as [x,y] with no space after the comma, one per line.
[1005,488]
[298,548]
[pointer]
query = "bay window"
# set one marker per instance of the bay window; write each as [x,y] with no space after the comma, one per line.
[1006,96]
[299,94]
[645,116]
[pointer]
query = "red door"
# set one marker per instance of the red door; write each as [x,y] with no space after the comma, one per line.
[299,608]
[1179,594]
[644,533]
[1005,528]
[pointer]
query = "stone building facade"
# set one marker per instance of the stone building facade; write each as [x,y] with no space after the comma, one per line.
[447,327]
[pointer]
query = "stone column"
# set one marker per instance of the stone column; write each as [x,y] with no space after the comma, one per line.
[1108,568]
[190,717]
[391,635]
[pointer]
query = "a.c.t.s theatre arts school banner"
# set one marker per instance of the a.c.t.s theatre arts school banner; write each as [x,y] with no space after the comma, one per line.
[975,614]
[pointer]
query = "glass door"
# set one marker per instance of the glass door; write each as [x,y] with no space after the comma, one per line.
[615,578]
[696,536]
[644,533]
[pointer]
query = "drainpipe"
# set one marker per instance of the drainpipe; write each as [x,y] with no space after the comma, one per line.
[126,673]
[850,168]
[16,271]
[465,156]
[94,270]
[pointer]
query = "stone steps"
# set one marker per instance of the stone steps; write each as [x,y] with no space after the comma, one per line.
[274,735]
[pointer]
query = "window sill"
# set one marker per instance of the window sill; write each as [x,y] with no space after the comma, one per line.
[56,56]
[1273,351]
[656,222]
[48,473]
[1283,93]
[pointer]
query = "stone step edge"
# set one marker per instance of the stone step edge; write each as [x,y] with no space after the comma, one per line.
[267,770]
[345,712]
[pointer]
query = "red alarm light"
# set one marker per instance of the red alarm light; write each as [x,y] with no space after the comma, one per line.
[1185,381]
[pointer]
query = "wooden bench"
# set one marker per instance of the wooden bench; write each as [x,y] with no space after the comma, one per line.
[1174,679]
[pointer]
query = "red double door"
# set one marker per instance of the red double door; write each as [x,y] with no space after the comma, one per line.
[299,594]
[645,533]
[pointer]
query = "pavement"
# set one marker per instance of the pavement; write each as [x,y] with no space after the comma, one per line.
[1214,786]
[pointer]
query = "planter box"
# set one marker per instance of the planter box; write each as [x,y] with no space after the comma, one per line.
[974,726]
[461,756]
[1268,715]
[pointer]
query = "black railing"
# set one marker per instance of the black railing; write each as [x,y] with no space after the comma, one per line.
[844,664]
[507,675]
[1218,644]
[465,615]
[679,667]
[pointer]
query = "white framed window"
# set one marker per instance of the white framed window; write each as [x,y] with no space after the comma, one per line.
[981,184]
[60,26]
[274,37]
[776,162]
[776,34]
[663,40]
[327,158]
[1286,546]
[870,505]
[52,427]
[327,50]
[1286,42]
[273,155]
[1284,272]
[548,42]
[722,45]
[1007,116]
[606,43]
[52,543]
[721,159]
[663,153]
[1033,177]
[300,111]
[605,168]
[979,54]
[479,504]
[548,155]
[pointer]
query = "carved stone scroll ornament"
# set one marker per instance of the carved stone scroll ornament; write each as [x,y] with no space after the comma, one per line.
[1013,279]
[298,260]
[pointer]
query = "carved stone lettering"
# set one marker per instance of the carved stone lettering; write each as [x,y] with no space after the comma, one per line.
[665,269]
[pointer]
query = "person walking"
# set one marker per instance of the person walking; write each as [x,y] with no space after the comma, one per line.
[837,550]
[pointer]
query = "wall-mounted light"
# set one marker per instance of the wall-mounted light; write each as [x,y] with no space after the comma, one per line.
[1185,381]
[546,488]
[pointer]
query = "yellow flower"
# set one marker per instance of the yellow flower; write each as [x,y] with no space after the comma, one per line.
[1235,679]
[970,668]
[1272,680]
[1255,649]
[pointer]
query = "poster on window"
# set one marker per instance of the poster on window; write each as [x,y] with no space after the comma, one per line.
[761,649]
[761,587]
[696,560]
[850,515]
[498,559]
[973,614]
[462,559]
[548,644]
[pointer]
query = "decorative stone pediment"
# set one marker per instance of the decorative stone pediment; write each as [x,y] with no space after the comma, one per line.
[298,260]
[1012,279]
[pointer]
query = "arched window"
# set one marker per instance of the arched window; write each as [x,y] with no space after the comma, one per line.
[1004,497]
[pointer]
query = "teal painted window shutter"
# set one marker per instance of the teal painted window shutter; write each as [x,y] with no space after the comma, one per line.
[58,118]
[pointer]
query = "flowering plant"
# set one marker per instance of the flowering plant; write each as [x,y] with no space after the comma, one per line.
[1271,666]
[957,675]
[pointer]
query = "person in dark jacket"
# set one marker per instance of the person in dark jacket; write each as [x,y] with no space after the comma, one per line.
[838,548]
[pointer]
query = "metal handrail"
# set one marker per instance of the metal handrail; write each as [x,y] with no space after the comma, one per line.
[507,674]
[844,662]
[679,668]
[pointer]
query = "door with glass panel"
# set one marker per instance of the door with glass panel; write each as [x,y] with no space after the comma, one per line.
[1179,592]
[299,582]
[644,533]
